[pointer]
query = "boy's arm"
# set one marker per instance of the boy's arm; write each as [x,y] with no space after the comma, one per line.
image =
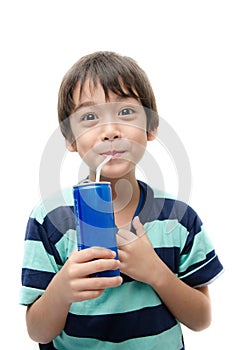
[191,306]
[46,317]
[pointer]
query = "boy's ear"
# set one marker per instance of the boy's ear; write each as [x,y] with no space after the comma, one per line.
[151,134]
[71,146]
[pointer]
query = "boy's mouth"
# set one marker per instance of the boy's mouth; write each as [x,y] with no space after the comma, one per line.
[115,154]
[116,148]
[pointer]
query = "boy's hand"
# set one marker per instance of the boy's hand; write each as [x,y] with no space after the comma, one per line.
[73,281]
[136,254]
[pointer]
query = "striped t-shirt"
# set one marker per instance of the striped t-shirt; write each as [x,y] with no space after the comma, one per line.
[130,316]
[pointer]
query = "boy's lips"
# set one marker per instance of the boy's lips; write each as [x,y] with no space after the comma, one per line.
[115,154]
[115,148]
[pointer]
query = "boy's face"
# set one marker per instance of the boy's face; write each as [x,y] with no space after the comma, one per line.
[116,126]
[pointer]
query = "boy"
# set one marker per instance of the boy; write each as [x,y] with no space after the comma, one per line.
[106,106]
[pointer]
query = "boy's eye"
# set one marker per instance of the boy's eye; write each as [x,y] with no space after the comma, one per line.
[126,111]
[89,117]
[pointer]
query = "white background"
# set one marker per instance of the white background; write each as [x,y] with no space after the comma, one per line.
[185,48]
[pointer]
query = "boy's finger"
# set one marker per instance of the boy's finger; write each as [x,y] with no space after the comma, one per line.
[92,253]
[99,283]
[125,237]
[138,227]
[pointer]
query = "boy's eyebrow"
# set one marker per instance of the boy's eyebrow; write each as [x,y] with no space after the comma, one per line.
[92,103]
[84,104]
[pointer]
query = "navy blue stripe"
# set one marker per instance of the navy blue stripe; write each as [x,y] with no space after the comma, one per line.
[119,327]
[183,343]
[36,232]
[170,256]
[54,226]
[48,346]
[166,208]
[58,221]
[36,279]
[33,231]
[193,231]
[170,209]
[192,267]
[55,223]
[205,274]
[141,203]
[125,278]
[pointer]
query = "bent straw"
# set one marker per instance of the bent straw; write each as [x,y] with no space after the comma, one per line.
[100,166]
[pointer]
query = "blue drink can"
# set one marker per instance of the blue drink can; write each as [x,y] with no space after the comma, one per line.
[95,225]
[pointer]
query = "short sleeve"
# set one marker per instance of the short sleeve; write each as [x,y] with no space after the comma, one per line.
[199,263]
[41,259]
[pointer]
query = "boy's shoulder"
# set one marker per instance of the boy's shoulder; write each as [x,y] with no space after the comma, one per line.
[158,195]
[60,201]
[160,205]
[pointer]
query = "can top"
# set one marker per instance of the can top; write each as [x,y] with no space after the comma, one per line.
[91,183]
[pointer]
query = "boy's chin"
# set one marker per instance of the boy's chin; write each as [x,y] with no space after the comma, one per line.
[117,172]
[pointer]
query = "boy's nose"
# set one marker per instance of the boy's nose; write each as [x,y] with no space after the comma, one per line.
[110,133]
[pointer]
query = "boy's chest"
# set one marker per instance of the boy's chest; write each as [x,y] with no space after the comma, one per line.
[124,218]
[168,239]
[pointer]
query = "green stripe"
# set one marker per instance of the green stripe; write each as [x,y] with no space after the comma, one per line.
[37,258]
[198,268]
[166,233]
[38,213]
[64,198]
[67,244]
[171,340]
[128,297]
[201,247]
[28,295]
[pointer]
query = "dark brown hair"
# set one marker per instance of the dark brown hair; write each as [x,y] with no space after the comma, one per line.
[116,73]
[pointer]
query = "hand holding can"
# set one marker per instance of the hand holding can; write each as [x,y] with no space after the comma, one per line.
[95,225]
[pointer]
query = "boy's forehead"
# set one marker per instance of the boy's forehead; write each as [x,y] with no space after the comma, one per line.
[93,93]
[88,91]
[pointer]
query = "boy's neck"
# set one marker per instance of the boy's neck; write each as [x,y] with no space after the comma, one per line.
[125,193]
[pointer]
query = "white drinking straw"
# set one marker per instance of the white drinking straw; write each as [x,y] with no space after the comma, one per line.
[100,166]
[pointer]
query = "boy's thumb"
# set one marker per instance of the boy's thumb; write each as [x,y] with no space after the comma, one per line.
[138,227]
